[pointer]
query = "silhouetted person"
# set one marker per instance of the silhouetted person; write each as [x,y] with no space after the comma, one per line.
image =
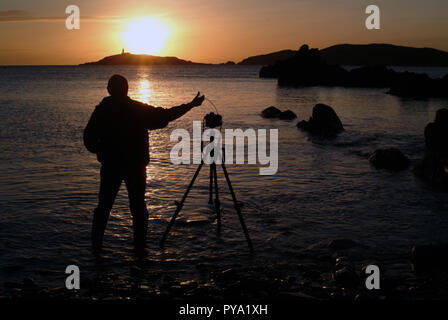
[118,133]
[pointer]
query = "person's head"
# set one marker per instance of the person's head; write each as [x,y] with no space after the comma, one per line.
[442,116]
[117,86]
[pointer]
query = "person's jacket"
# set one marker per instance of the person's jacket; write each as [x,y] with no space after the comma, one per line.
[118,129]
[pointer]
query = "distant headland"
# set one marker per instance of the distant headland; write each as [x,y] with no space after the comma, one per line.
[364,55]
[341,54]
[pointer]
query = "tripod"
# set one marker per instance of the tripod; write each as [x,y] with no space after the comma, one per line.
[213,186]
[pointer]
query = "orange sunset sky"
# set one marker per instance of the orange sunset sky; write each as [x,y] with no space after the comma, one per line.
[34,32]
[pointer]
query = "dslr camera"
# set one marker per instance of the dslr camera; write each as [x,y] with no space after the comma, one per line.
[213,120]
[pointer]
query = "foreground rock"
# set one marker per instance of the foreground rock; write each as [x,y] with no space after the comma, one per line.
[430,256]
[273,112]
[331,276]
[434,166]
[344,273]
[324,122]
[391,159]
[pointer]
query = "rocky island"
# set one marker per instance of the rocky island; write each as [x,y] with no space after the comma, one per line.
[126,58]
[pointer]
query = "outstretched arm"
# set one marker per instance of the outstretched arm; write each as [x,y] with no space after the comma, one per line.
[160,117]
[177,112]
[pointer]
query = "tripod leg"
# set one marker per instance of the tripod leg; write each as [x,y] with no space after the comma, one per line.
[217,202]
[210,189]
[237,208]
[180,205]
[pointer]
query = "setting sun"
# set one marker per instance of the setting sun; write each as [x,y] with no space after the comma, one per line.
[145,36]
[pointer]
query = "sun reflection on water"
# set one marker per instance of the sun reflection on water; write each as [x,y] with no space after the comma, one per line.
[144,91]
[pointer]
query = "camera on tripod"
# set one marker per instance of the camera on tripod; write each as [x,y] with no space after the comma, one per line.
[213,120]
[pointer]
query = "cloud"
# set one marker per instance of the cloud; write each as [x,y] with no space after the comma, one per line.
[21,15]
[12,13]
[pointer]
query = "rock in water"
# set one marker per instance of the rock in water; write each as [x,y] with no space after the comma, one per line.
[430,256]
[391,159]
[271,112]
[324,122]
[287,115]
[326,117]
[409,84]
[434,166]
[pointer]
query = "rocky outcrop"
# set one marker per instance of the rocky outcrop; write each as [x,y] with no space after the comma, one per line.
[324,122]
[391,159]
[410,84]
[307,68]
[434,166]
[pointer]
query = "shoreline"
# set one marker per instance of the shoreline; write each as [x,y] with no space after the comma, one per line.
[338,275]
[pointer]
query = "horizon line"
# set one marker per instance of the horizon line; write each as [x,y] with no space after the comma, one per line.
[211,63]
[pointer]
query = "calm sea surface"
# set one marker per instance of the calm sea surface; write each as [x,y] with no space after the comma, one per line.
[323,190]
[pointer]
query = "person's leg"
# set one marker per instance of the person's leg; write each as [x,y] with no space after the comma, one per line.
[136,183]
[111,178]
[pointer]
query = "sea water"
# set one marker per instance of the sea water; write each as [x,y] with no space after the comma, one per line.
[323,190]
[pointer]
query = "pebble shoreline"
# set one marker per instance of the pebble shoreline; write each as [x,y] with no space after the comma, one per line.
[336,276]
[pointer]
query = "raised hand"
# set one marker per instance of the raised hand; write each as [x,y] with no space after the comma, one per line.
[197,101]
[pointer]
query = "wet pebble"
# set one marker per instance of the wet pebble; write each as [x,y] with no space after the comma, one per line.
[342,244]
